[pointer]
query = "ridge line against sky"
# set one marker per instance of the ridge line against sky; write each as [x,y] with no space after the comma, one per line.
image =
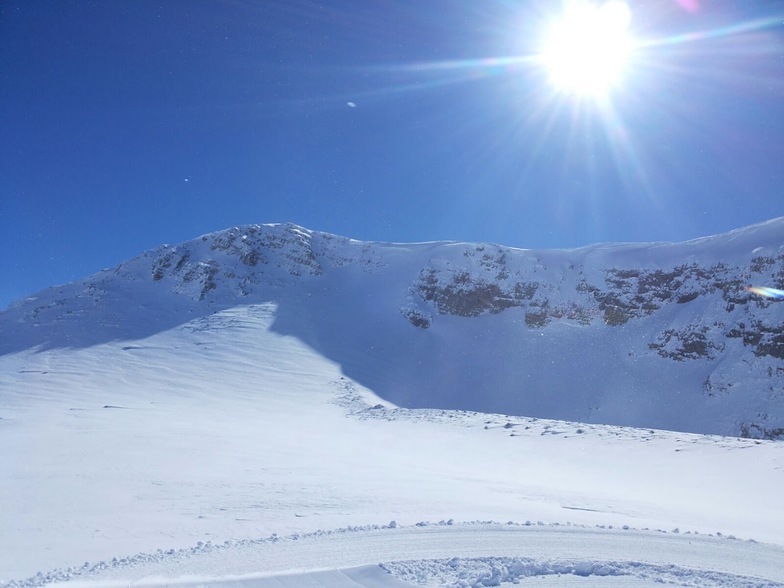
[759,239]
[127,125]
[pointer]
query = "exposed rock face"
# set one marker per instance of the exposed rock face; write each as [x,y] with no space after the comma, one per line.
[254,247]
[680,305]
[623,294]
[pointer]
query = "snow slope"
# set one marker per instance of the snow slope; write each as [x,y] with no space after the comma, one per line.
[224,430]
[649,335]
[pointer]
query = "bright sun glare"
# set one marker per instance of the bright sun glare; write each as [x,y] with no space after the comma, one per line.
[588,48]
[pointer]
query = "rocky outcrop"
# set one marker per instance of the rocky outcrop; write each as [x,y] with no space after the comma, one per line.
[253,247]
[691,342]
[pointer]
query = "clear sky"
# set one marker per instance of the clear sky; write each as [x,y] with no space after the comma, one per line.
[127,124]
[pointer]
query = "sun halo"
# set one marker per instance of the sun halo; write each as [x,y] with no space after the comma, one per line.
[587,49]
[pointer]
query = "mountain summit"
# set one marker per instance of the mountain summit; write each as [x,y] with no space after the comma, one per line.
[660,335]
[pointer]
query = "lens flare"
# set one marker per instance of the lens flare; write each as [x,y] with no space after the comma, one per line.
[689,5]
[773,293]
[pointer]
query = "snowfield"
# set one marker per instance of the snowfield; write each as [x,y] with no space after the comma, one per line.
[221,451]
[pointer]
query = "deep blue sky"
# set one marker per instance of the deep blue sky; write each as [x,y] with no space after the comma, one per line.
[127,124]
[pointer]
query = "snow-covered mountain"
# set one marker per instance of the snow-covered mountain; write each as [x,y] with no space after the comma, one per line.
[241,409]
[651,335]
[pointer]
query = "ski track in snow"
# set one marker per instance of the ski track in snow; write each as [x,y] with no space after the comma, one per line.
[444,554]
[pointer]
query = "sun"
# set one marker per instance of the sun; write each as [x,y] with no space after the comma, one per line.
[588,48]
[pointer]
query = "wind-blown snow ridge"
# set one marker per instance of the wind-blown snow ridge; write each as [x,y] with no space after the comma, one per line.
[460,570]
[655,335]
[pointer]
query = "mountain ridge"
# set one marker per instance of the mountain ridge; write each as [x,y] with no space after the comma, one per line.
[663,335]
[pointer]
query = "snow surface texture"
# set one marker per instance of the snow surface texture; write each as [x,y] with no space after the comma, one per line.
[165,433]
[663,559]
[648,335]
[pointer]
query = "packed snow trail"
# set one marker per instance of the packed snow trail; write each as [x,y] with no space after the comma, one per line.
[413,553]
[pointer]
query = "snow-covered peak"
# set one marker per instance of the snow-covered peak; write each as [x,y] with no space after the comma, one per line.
[662,335]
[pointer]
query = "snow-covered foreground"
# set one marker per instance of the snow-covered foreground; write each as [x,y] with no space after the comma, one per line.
[213,436]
